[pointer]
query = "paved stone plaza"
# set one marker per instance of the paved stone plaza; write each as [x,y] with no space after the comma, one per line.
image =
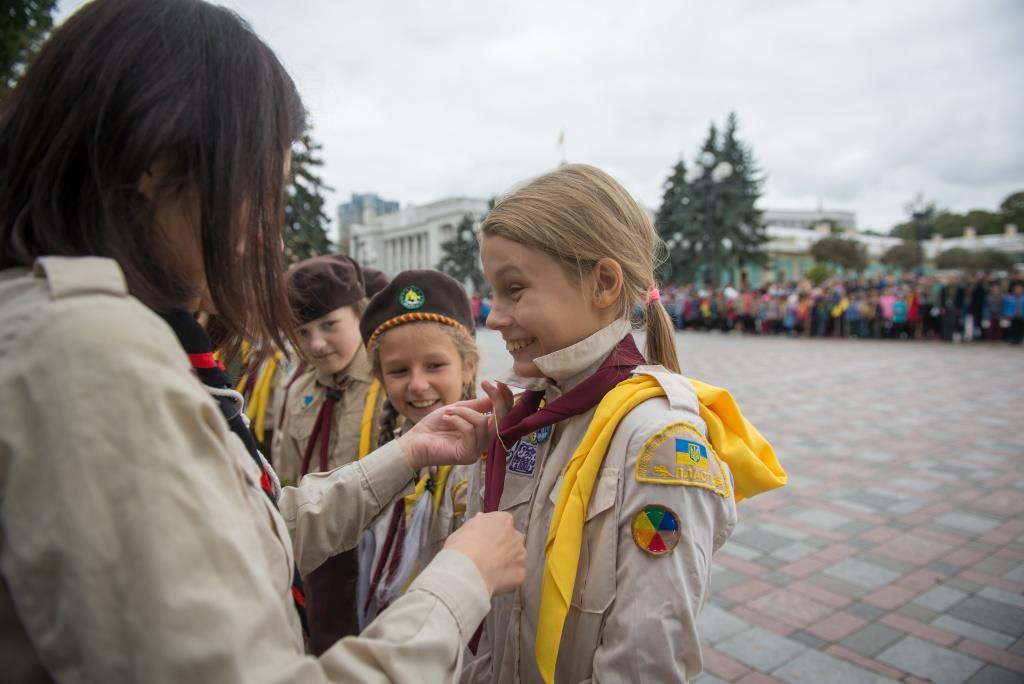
[896,552]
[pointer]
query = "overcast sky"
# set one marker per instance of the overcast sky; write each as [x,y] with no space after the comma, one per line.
[860,104]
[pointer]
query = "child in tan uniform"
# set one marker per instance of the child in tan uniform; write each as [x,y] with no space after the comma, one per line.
[329,416]
[328,404]
[419,332]
[615,470]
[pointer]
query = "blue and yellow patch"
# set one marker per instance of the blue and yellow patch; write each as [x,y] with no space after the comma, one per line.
[689,452]
[538,437]
[678,454]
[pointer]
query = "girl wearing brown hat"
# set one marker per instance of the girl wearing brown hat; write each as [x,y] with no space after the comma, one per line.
[329,415]
[419,334]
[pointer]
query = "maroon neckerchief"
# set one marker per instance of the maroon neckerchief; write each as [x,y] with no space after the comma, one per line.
[322,427]
[394,539]
[525,417]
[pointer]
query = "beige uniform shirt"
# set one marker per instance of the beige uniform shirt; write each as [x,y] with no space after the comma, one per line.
[633,615]
[135,542]
[302,405]
[449,516]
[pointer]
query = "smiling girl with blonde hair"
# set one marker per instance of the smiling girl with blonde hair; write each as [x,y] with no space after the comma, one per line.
[622,479]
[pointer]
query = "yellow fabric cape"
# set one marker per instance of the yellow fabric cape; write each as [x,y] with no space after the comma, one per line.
[749,455]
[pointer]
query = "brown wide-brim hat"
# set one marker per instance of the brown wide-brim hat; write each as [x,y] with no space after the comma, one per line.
[417,296]
[376,280]
[318,286]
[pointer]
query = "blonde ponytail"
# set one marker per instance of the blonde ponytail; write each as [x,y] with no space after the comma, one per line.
[661,338]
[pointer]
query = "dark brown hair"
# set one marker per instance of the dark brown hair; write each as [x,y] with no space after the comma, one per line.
[124,84]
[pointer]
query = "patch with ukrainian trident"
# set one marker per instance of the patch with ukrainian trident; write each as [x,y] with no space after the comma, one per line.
[656,529]
[689,451]
[412,298]
[679,454]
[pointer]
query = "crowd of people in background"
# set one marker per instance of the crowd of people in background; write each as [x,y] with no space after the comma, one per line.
[952,308]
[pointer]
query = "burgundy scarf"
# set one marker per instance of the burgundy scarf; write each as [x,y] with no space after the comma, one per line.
[322,427]
[524,417]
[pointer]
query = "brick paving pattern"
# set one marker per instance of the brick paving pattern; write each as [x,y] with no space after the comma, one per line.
[896,552]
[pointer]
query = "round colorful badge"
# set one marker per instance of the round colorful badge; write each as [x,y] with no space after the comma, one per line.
[656,529]
[412,298]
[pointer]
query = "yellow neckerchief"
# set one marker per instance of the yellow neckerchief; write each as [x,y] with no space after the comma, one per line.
[738,443]
[366,424]
[263,387]
[424,485]
[755,467]
[259,400]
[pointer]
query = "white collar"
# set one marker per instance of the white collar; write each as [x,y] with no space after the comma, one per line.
[567,367]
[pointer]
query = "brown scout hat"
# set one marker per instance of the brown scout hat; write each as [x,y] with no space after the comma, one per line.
[322,284]
[376,280]
[417,296]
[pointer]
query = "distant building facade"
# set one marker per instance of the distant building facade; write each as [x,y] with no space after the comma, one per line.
[411,237]
[1010,241]
[361,209]
[803,218]
[789,249]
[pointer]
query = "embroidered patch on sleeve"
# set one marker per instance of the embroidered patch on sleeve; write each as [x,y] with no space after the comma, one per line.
[656,529]
[678,454]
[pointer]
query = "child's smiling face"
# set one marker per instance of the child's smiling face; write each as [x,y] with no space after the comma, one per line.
[421,368]
[331,342]
[537,306]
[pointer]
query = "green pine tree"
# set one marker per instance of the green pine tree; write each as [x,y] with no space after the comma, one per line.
[306,222]
[460,255]
[684,217]
[23,27]
[671,222]
[742,229]
[708,217]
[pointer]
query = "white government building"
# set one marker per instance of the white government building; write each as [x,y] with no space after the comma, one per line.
[412,238]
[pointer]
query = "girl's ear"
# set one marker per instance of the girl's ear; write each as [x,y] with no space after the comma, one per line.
[607,280]
[469,367]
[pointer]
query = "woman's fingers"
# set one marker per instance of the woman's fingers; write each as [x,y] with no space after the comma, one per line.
[481,404]
[501,398]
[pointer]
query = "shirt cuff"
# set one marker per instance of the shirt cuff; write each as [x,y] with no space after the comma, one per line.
[387,472]
[454,579]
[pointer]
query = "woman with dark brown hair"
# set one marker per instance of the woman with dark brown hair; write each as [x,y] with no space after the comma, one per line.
[142,536]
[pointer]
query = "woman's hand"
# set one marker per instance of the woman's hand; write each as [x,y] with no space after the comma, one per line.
[495,546]
[501,399]
[452,435]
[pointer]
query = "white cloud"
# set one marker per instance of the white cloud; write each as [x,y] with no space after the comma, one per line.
[860,104]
